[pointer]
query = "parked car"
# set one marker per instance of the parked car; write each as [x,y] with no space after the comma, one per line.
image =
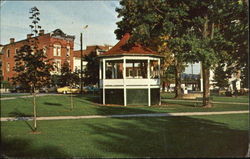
[90,89]
[68,89]
[20,89]
[47,89]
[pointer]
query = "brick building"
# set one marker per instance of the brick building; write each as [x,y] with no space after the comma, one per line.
[56,45]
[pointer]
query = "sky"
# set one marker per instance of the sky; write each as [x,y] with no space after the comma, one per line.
[69,16]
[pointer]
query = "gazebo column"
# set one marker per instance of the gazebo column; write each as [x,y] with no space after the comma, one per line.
[124,82]
[149,91]
[159,76]
[103,79]
[100,73]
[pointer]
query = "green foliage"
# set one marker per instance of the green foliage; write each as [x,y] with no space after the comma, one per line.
[31,65]
[5,84]
[67,77]
[34,11]
[91,72]
[169,75]
[221,76]
[32,68]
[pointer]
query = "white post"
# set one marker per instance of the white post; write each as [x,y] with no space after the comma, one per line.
[103,81]
[149,91]
[159,74]
[201,78]
[100,73]
[124,82]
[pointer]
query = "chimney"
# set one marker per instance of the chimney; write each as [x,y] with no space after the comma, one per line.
[41,32]
[12,40]
[28,36]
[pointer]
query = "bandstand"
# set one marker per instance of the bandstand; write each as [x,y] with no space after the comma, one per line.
[130,75]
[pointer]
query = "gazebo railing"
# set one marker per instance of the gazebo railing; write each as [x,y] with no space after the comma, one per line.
[130,82]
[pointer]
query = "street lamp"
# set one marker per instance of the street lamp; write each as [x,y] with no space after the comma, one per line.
[81,86]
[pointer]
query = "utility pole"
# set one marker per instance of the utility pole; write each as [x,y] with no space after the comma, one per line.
[81,66]
[81,86]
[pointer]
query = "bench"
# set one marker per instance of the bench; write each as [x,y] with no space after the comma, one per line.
[200,99]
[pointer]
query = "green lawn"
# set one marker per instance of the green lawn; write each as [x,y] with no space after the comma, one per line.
[199,136]
[60,106]
[216,98]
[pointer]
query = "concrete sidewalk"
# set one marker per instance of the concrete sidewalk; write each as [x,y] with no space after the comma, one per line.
[124,116]
[27,96]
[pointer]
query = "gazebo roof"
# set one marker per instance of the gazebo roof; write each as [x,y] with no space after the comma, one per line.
[121,48]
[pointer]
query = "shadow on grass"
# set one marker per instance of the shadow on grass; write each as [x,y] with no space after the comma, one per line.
[89,97]
[168,137]
[52,104]
[23,147]
[17,113]
[183,103]
[165,136]
[139,137]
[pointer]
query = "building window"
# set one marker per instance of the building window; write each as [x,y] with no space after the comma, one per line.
[68,50]
[16,50]
[32,48]
[44,50]
[8,67]
[57,65]
[8,52]
[57,50]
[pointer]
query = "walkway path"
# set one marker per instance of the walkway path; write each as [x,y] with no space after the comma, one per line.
[27,96]
[124,116]
[194,101]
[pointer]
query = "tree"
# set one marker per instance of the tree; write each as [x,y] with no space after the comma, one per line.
[160,25]
[236,31]
[193,31]
[32,67]
[168,78]
[221,76]
[210,37]
[91,72]
[68,78]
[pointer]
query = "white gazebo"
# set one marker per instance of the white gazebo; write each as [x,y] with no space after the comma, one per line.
[130,75]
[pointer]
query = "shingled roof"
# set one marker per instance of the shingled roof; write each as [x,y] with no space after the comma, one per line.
[89,49]
[121,48]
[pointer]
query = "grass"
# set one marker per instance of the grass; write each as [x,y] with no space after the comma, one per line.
[60,106]
[216,98]
[199,136]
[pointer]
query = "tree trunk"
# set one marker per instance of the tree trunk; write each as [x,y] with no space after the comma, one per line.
[206,92]
[205,69]
[163,86]
[178,92]
[34,109]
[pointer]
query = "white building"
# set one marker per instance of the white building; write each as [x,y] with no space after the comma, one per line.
[97,49]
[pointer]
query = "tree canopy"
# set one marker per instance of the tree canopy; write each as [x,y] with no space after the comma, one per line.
[91,72]
[187,31]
